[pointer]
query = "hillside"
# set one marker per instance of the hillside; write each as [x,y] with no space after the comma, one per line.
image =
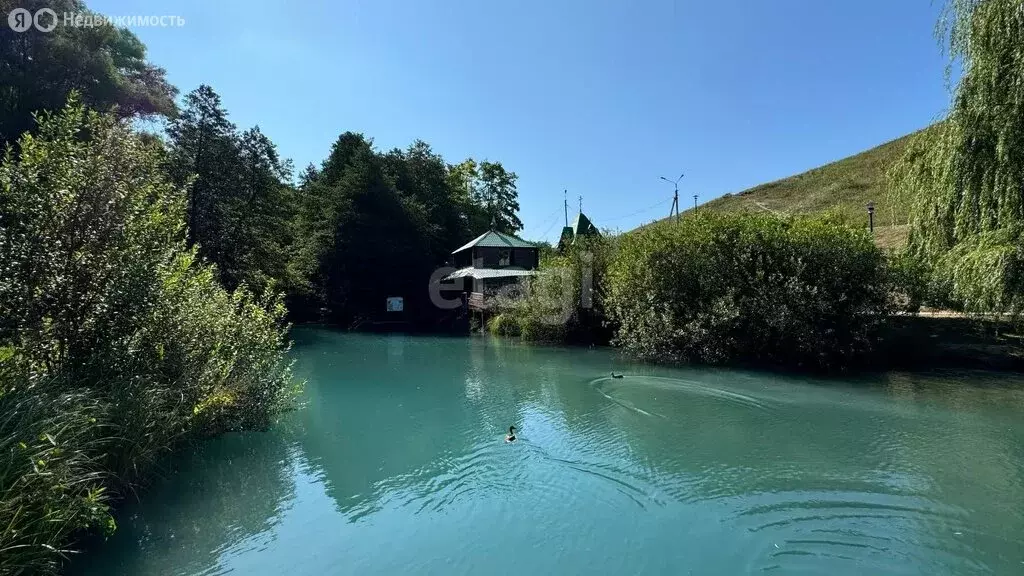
[846,185]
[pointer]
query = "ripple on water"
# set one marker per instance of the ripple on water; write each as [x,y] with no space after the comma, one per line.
[494,471]
[798,531]
[614,388]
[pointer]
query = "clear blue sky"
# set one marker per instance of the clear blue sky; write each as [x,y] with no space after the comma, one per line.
[600,98]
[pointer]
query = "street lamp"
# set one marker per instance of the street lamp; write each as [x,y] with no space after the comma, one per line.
[675,198]
[871,217]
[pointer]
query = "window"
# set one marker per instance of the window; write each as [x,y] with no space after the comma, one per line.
[504,257]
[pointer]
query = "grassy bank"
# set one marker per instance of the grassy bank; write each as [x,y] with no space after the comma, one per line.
[841,187]
[117,345]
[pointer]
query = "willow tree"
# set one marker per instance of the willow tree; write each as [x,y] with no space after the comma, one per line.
[964,177]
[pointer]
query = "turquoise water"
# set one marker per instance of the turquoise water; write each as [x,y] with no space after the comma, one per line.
[396,464]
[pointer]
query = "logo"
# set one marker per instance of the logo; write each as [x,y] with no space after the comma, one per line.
[45,20]
[20,20]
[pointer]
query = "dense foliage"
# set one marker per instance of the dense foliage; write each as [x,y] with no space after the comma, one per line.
[241,205]
[377,224]
[105,64]
[566,302]
[145,276]
[116,343]
[965,176]
[745,287]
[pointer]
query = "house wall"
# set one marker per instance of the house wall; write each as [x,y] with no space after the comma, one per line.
[525,258]
[488,257]
[463,259]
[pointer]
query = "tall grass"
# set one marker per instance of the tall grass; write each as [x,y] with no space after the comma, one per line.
[116,344]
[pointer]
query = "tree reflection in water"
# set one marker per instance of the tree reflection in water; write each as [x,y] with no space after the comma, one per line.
[228,493]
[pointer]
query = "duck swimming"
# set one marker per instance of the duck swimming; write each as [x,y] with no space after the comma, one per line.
[511,434]
[614,375]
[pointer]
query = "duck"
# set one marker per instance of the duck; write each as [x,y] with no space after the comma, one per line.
[511,434]
[614,375]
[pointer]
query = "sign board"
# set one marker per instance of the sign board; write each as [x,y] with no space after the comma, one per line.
[396,304]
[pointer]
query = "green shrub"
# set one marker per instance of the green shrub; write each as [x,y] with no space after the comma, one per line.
[748,287]
[565,302]
[909,282]
[119,345]
[503,325]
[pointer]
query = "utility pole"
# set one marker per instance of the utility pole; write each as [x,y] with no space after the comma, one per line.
[675,198]
[565,203]
[581,204]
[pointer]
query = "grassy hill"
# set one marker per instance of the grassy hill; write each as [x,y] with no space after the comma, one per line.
[846,185]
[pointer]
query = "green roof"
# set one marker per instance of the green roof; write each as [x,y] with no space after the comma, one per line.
[582,226]
[494,239]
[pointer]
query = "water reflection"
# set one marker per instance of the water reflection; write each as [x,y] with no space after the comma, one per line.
[805,473]
[399,465]
[379,414]
[225,497]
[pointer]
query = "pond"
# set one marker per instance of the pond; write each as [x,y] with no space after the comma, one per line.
[397,464]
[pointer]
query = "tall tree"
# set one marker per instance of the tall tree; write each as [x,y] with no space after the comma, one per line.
[497,192]
[372,225]
[463,181]
[260,212]
[205,153]
[105,64]
[375,248]
[965,176]
[491,195]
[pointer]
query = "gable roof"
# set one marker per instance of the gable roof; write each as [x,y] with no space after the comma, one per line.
[583,226]
[494,239]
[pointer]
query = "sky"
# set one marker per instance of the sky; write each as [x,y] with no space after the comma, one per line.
[595,97]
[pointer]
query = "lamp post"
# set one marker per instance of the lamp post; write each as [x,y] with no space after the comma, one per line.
[675,198]
[871,217]
[694,201]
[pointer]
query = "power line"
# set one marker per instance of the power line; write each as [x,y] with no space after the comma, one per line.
[642,210]
[553,217]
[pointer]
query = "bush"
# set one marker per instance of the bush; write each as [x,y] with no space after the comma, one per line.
[503,325]
[119,345]
[744,287]
[565,302]
[909,279]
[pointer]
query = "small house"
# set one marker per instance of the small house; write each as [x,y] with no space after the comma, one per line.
[490,262]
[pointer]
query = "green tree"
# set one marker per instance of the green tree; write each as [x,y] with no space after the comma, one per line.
[965,176]
[118,344]
[261,215]
[377,245]
[242,208]
[490,193]
[204,155]
[497,192]
[463,181]
[371,225]
[106,65]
